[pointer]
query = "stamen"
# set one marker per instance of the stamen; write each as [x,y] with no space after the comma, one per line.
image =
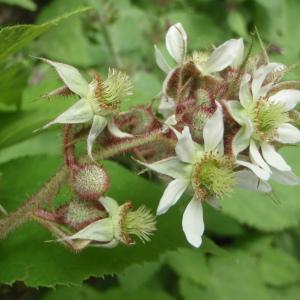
[140,223]
[267,118]
[115,87]
[213,176]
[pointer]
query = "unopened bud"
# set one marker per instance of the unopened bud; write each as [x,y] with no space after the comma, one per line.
[80,213]
[120,224]
[137,121]
[90,182]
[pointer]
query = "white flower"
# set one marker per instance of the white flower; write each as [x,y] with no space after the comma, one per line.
[207,170]
[98,103]
[118,226]
[228,54]
[265,120]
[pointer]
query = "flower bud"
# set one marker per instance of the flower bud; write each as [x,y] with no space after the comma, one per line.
[90,181]
[136,121]
[79,214]
[120,224]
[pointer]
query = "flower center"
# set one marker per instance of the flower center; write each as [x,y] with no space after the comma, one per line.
[266,119]
[140,223]
[213,176]
[199,58]
[107,94]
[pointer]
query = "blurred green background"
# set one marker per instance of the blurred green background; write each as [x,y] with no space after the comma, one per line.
[252,246]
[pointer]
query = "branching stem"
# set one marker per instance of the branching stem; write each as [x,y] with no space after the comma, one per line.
[50,189]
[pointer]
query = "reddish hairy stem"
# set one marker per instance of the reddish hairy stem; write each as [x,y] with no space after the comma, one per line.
[69,147]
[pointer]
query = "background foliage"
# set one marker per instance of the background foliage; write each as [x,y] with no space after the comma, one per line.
[251,249]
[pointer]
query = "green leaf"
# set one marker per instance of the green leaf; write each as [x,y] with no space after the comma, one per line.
[279,268]
[28,4]
[83,292]
[13,38]
[189,290]
[146,86]
[288,293]
[17,126]
[48,142]
[234,277]
[221,224]
[237,23]
[263,212]
[69,41]
[189,264]
[126,36]
[13,79]
[137,276]
[64,267]
[143,293]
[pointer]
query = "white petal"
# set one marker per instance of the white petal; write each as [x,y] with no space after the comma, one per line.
[244,93]
[223,56]
[171,166]
[287,98]
[288,134]
[242,139]
[239,54]
[186,148]
[80,112]
[237,112]
[171,195]
[167,106]
[213,129]
[110,205]
[171,121]
[256,157]
[264,90]
[273,158]
[260,75]
[99,123]
[259,172]
[100,231]
[287,177]
[112,244]
[115,131]
[71,77]
[249,181]
[160,61]
[192,222]
[176,42]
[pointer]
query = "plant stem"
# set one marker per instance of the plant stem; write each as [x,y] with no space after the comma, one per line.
[52,186]
[26,211]
[17,218]
[129,144]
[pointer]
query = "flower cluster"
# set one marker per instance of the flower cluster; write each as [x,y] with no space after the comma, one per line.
[222,117]
[243,114]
